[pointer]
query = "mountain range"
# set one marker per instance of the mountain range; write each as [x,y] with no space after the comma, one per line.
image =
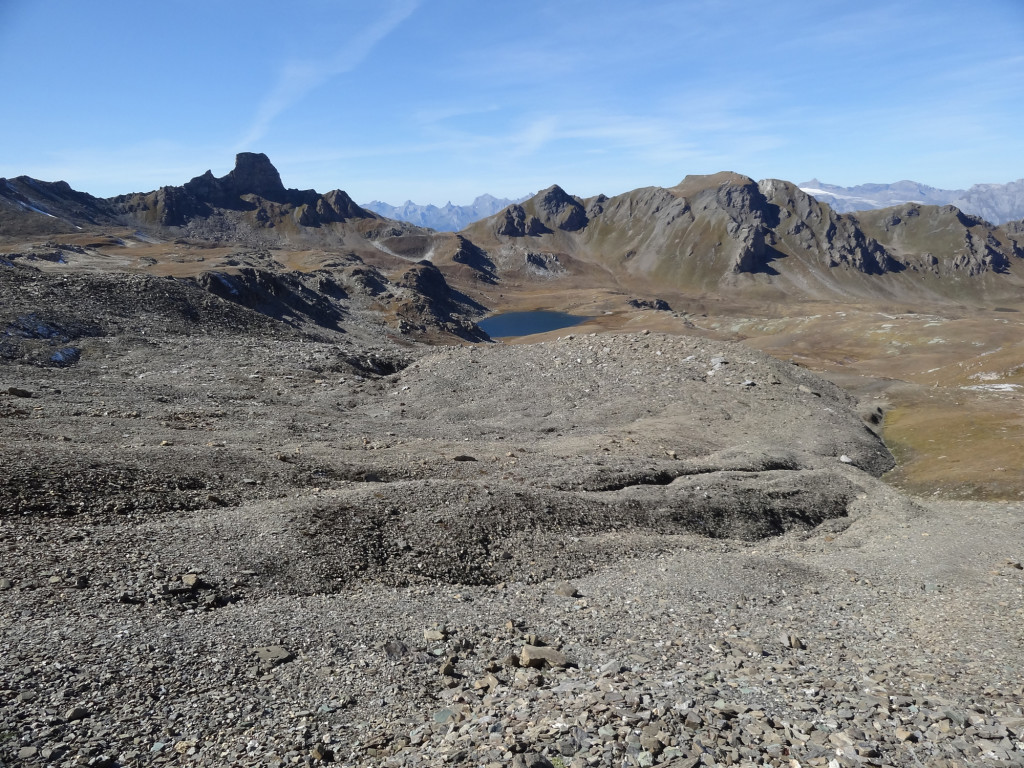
[726,231]
[447,218]
[997,203]
[708,233]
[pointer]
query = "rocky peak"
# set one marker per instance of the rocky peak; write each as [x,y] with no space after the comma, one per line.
[553,196]
[426,279]
[693,184]
[342,206]
[557,209]
[254,174]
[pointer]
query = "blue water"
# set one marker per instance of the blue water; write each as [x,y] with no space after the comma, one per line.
[527,323]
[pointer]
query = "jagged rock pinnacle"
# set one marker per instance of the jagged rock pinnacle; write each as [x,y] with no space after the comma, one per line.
[254,174]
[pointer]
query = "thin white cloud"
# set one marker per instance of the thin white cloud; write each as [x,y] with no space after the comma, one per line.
[533,137]
[439,114]
[298,78]
[585,150]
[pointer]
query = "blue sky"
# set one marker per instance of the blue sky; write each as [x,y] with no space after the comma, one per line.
[436,100]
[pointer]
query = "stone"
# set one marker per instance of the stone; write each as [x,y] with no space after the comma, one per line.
[527,678]
[442,716]
[434,635]
[793,641]
[395,650]
[57,751]
[729,710]
[531,760]
[322,753]
[272,655]
[76,713]
[488,682]
[193,581]
[26,753]
[1015,725]
[6,584]
[18,392]
[565,589]
[652,744]
[611,668]
[539,657]
[567,747]
[658,304]
[463,457]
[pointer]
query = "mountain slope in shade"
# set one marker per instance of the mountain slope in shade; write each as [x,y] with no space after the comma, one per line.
[250,196]
[996,203]
[447,218]
[30,206]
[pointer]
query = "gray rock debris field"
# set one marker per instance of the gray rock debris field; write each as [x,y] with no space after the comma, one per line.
[233,550]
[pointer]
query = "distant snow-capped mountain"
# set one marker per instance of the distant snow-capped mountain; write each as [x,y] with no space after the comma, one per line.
[996,203]
[447,218]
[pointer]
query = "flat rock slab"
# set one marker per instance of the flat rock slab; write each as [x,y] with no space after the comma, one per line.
[272,655]
[541,656]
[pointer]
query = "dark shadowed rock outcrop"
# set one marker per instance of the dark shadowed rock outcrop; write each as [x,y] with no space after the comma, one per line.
[253,174]
[294,298]
[30,206]
[433,304]
[806,225]
[252,187]
[514,221]
[475,258]
[558,210]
